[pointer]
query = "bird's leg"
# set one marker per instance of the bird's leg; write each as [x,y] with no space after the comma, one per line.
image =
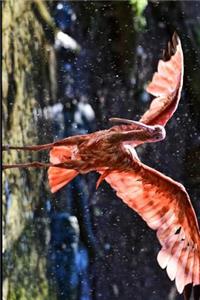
[72,164]
[35,164]
[28,148]
[74,140]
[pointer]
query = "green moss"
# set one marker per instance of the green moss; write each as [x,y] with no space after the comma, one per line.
[27,265]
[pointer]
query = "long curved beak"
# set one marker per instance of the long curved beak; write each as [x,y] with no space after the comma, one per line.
[137,124]
[121,121]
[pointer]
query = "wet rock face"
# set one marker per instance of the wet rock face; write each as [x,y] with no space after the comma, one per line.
[50,250]
[26,87]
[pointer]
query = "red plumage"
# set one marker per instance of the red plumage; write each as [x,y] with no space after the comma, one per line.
[162,202]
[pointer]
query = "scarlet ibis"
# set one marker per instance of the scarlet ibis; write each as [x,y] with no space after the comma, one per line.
[162,202]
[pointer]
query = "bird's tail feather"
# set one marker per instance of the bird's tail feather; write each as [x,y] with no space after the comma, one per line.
[59,177]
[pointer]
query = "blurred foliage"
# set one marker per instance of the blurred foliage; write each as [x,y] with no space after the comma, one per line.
[138,8]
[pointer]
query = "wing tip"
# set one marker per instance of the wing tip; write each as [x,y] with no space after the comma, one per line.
[172,46]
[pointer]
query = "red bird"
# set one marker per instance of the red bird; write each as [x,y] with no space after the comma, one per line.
[162,202]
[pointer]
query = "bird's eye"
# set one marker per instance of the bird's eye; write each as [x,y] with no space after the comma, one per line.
[157,137]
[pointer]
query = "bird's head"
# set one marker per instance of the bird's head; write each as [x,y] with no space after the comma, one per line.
[157,133]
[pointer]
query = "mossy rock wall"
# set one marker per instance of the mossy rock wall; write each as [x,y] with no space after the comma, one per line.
[26,87]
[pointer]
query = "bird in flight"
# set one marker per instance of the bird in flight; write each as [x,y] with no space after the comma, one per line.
[163,203]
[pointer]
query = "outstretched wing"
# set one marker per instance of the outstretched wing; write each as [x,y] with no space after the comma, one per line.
[165,206]
[166,85]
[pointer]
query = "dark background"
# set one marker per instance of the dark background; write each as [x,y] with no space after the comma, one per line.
[83,244]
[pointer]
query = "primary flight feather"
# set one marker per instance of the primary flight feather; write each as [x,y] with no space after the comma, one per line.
[166,85]
[162,202]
